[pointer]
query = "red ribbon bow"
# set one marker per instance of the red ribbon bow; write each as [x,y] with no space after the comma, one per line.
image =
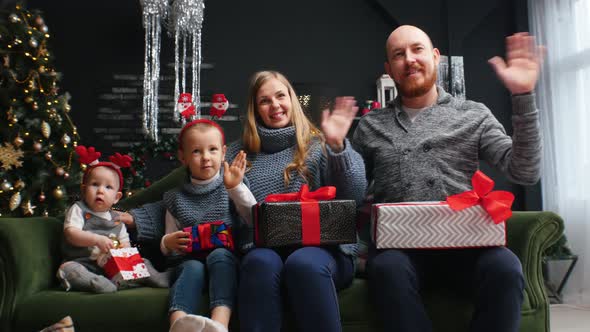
[304,195]
[496,203]
[310,209]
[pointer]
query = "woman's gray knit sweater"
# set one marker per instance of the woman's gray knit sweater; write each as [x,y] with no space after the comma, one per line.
[344,170]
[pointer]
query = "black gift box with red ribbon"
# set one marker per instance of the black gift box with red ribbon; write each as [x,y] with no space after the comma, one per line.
[304,219]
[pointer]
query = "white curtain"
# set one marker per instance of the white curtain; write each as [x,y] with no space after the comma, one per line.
[563,26]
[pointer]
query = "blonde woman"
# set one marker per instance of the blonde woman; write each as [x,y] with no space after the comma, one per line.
[285,150]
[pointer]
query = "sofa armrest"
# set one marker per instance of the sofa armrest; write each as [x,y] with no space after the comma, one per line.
[154,192]
[30,252]
[529,234]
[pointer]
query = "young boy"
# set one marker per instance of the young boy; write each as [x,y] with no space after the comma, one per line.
[205,197]
[91,228]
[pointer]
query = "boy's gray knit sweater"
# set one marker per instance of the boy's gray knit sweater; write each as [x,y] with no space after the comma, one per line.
[437,154]
[194,204]
[344,170]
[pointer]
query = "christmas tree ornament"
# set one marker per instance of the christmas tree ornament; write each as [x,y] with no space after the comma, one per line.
[186,21]
[65,139]
[18,141]
[10,157]
[19,184]
[219,105]
[33,43]
[35,106]
[28,99]
[39,21]
[154,11]
[59,171]
[37,146]
[185,106]
[11,117]
[48,155]
[66,175]
[41,69]
[28,208]
[14,201]
[45,129]
[13,18]
[58,193]
[44,29]
[42,197]
[5,186]
[45,213]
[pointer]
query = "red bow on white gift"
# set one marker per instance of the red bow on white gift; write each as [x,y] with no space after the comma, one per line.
[496,203]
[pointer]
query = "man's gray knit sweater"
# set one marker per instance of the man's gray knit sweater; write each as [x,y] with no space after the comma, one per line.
[437,154]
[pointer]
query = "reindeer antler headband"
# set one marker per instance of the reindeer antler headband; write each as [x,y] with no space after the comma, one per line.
[89,156]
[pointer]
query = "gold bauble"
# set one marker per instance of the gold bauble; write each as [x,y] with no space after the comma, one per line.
[58,192]
[83,167]
[19,185]
[65,139]
[14,201]
[29,99]
[14,18]
[45,129]
[5,186]
[18,141]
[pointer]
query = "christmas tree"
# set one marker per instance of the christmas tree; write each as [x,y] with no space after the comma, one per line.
[38,165]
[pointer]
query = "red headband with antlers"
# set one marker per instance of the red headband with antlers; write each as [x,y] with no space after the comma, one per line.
[89,156]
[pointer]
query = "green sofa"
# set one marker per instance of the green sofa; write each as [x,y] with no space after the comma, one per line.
[31,299]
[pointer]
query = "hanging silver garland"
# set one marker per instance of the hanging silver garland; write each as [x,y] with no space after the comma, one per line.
[186,21]
[154,11]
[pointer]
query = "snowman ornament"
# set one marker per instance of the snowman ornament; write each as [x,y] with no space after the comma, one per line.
[219,105]
[185,105]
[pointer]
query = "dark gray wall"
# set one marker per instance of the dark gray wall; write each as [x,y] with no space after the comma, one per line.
[335,47]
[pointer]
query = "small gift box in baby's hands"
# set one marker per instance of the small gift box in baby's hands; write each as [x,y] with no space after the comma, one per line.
[208,236]
[304,218]
[471,219]
[125,264]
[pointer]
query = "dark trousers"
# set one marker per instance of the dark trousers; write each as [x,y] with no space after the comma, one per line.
[491,276]
[308,278]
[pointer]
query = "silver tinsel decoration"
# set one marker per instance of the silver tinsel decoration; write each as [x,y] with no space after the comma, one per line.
[185,22]
[154,11]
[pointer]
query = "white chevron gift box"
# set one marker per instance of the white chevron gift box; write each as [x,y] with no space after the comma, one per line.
[434,225]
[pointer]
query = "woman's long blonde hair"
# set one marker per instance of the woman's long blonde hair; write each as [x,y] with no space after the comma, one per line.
[304,129]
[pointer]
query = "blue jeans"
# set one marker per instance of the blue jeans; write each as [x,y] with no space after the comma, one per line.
[308,278]
[190,276]
[491,277]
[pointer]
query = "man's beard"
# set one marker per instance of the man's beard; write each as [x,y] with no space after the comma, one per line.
[412,88]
